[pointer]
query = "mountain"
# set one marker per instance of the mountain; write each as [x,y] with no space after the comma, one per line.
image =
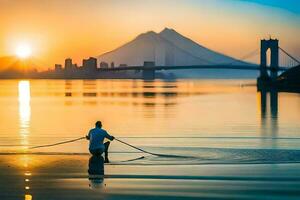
[202,54]
[169,48]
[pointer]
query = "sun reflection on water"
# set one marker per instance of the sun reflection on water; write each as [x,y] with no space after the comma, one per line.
[28,197]
[27,175]
[24,110]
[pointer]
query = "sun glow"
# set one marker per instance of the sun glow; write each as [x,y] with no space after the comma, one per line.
[23,51]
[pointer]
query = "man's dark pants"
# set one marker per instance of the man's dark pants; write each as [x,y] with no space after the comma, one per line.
[99,152]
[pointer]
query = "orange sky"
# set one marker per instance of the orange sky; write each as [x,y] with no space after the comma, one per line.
[73,28]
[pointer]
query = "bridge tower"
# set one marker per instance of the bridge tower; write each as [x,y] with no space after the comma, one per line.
[148,72]
[271,44]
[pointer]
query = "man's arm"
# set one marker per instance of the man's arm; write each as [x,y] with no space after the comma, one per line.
[110,137]
[88,136]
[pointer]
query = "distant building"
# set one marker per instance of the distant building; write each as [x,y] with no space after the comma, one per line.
[112,65]
[123,65]
[84,63]
[68,64]
[74,67]
[58,67]
[103,65]
[89,65]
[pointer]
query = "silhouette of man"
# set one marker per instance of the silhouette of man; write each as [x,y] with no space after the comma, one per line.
[96,171]
[96,137]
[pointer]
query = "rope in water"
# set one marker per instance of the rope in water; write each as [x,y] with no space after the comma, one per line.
[81,138]
[142,150]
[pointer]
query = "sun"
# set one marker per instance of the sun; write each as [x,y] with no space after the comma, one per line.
[23,51]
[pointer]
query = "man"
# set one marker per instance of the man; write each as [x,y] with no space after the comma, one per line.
[96,137]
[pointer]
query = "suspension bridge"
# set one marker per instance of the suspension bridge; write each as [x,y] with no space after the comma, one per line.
[279,61]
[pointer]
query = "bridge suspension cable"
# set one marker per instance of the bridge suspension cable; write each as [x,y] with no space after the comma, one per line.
[245,57]
[291,61]
[250,55]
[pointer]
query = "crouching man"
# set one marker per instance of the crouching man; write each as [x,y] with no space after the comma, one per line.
[96,137]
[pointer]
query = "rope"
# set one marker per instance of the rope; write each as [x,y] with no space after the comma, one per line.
[154,154]
[55,144]
[81,138]
[74,140]
[137,148]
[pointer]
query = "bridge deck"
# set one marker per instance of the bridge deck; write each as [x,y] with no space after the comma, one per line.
[237,67]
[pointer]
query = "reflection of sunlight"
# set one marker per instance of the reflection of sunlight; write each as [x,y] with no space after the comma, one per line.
[24,110]
[27,175]
[28,197]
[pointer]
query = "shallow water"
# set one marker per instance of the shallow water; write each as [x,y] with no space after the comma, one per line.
[173,115]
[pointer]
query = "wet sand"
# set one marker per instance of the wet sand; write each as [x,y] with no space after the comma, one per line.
[48,177]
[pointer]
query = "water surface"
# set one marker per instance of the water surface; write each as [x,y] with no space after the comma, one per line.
[184,113]
[229,140]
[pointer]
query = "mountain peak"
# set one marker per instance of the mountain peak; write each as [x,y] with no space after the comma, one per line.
[149,34]
[167,31]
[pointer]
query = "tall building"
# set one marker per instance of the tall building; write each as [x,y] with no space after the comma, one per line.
[89,65]
[112,65]
[75,67]
[68,64]
[84,63]
[58,67]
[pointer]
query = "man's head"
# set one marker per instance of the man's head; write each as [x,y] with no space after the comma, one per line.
[98,124]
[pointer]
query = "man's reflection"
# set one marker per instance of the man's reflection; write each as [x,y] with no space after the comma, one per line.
[96,171]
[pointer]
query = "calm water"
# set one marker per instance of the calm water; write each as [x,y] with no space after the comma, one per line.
[234,142]
[227,120]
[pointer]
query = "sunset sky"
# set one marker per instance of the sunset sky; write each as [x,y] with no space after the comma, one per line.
[58,29]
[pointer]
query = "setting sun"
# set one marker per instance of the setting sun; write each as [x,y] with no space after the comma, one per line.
[23,51]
